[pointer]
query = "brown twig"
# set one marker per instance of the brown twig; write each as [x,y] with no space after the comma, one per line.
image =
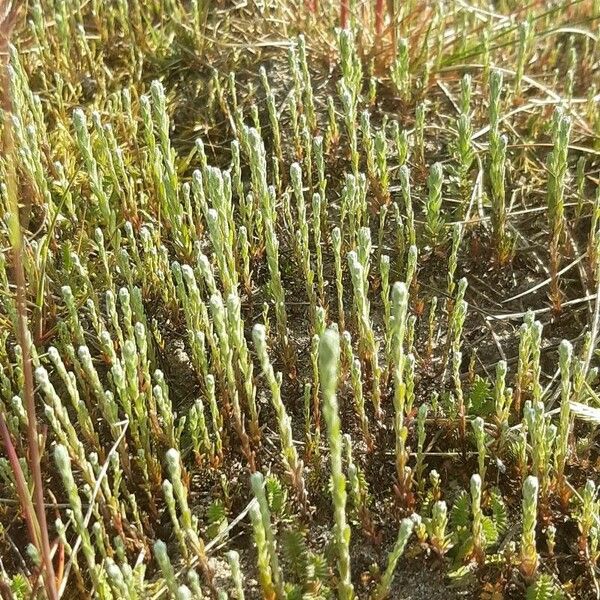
[37,526]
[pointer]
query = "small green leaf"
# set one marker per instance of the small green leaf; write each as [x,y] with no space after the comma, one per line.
[276,495]
[500,514]
[217,519]
[480,398]
[490,531]
[544,589]
[460,514]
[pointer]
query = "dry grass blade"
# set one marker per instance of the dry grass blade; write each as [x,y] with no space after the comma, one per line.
[585,412]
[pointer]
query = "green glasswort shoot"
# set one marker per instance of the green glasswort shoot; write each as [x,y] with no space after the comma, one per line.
[433,205]
[258,487]
[404,533]
[557,166]
[329,355]
[529,556]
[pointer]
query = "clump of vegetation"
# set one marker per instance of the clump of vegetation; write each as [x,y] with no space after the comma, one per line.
[299,319]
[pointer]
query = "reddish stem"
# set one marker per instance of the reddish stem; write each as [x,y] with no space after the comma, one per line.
[344,14]
[379,17]
[20,483]
[40,539]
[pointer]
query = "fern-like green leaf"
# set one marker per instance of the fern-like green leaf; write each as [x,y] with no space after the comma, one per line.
[544,589]
[276,495]
[295,553]
[460,514]
[19,586]
[319,566]
[293,591]
[499,512]
[490,532]
[217,519]
[318,574]
[480,398]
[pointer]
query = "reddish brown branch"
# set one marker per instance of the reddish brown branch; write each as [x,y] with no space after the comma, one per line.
[379,17]
[344,14]
[38,529]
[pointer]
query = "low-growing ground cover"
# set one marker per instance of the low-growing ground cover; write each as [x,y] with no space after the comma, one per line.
[299,301]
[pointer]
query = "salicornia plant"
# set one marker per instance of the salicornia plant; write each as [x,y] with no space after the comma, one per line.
[329,353]
[557,166]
